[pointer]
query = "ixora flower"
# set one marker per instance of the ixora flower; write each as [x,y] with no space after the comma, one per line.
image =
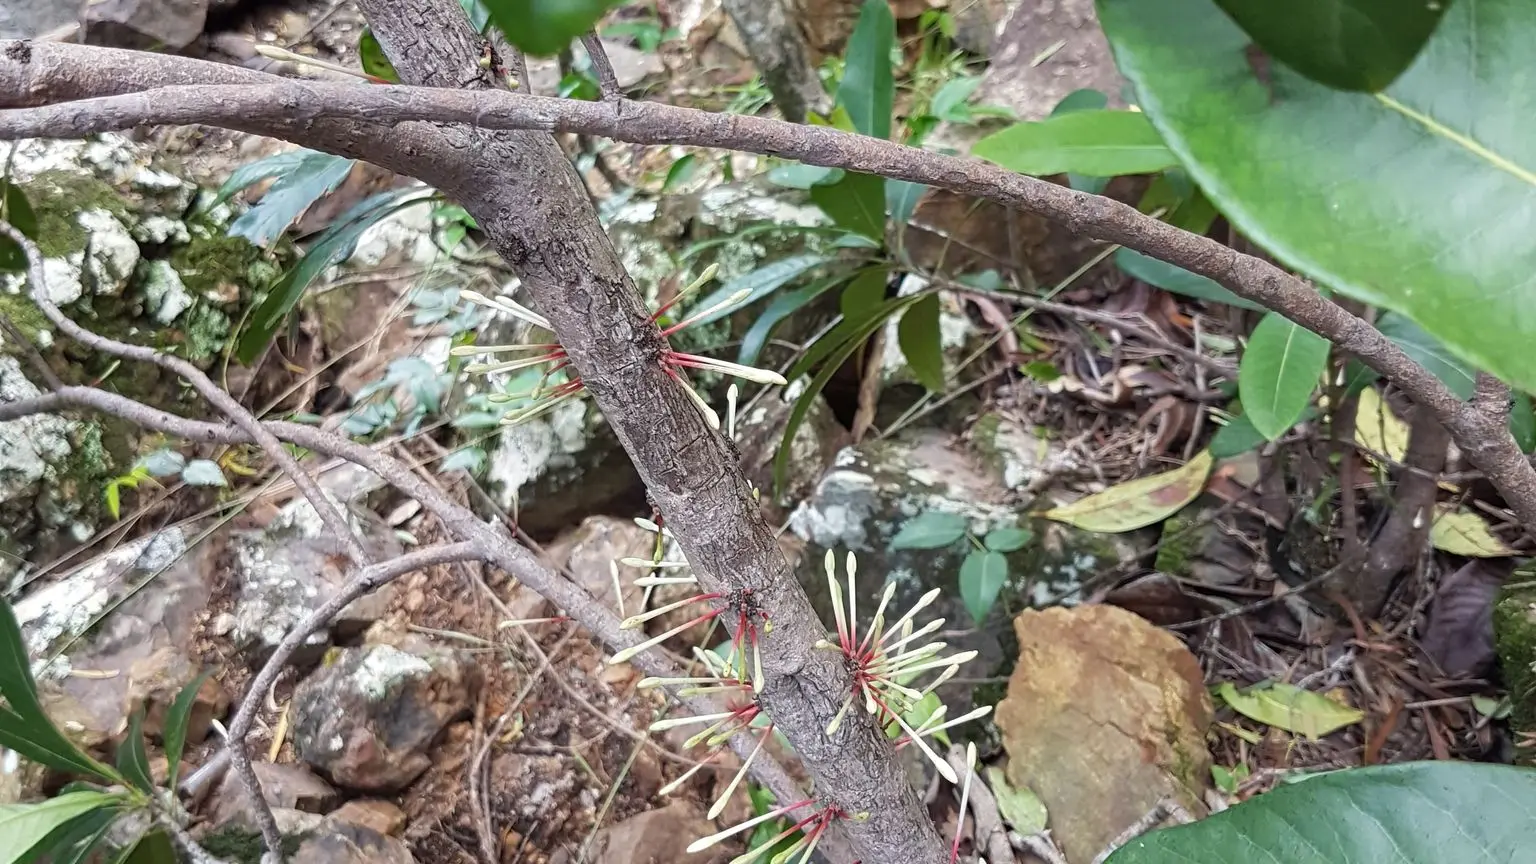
[545,397]
[884,664]
[814,826]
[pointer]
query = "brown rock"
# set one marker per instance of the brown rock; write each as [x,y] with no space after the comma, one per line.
[588,550]
[1105,716]
[336,842]
[288,786]
[658,837]
[368,718]
[374,813]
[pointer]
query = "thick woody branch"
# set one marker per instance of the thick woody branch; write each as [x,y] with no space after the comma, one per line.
[282,104]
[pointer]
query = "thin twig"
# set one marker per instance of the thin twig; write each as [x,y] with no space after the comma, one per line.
[607,81]
[1164,809]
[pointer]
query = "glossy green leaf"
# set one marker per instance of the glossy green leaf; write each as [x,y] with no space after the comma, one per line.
[24,826]
[16,210]
[294,190]
[1348,44]
[1096,143]
[24,726]
[152,848]
[782,306]
[865,292]
[933,529]
[1278,372]
[132,759]
[177,720]
[1177,280]
[868,87]
[901,197]
[375,61]
[798,176]
[856,202]
[681,172]
[1007,539]
[921,344]
[982,576]
[332,246]
[544,28]
[1418,199]
[949,103]
[204,472]
[1522,422]
[78,840]
[758,284]
[1410,812]
[1083,100]
[1427,351]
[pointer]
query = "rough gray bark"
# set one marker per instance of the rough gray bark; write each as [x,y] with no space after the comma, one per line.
[781,56]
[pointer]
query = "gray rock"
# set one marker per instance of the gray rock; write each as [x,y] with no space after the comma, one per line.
[337,842]
[291,568]
[30,447]
[368,718]
[151,25]
[29,19]
[1029,77]
[656,837]
[289,786]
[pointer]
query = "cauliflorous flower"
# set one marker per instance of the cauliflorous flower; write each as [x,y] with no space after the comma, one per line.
[814,826]
[544,398]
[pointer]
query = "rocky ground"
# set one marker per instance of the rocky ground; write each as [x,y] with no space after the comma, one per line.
[419,726]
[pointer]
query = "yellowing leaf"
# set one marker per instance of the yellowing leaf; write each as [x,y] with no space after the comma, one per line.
[1378,429]
[1137,503]
[1462,532]
[1288,707]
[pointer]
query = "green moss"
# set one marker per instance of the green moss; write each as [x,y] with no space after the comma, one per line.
[58,198]
[241,845]
[1514,630]
[1179,541]
[23,313]
[215,266]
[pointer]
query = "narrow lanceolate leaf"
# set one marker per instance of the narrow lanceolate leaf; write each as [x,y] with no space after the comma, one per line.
[132,760]
[1168,277]
[1279,370]
[289,196]
[783,305]
[856,202]
[1137,503]
[901,197]
[24,727]
[982,576]
[1288,707]
[1462,532]
[757,284]
[919,337]
[1427,351]
[176,722]
[1411,812]
[16,210]
[933,529]
[24,826]
[1095,143]
[869,87]
[1348,44]
[1418,199]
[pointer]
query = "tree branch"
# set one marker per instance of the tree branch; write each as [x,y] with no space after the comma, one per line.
[602,67]
[282,104]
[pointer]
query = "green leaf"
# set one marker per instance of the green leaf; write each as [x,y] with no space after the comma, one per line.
[1178,280]
[681,172]
[1347,44]
[152,848]
[982,576]
[334,245]
[112,494]
[1417,200]
[18,212]
[1463,532]
[315,175]
[132,760]
[479,16]
[546,27]
[1288,707]
[1137,503]
[1096,143]
[864,293]
[856,202]
[933,529]
[949,103]
[868,86]
[758,284]
[1411,812]
[798,176]
[1278,372]
[275,165]
[24,727]
[176,722]
[203,472]
[901,197]
[1427,351]
[1019,806]
[24,826]
[781,307]
[1080,100]
[77,840]
[919,337]
[375,61]
[1235,438]
[1007,539]
[1522,422]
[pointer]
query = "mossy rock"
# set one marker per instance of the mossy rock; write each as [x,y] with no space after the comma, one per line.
[1514,630]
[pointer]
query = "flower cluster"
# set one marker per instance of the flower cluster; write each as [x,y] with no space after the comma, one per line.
[545,397]
[814,826]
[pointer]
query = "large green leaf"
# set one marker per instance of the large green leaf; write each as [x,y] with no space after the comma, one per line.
[1278,372]
[24,826]
[1414,812]
[152,848]
[921,342]
[332,246]
[24,726]
[1096,143]
[868,87]
[546,27]
[856,202]
[314,175]
[1349,44]
[1421,199]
